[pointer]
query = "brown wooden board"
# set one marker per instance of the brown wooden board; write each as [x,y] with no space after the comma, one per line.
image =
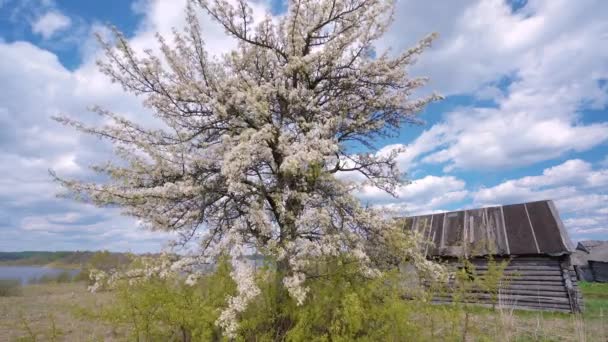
[437,229]
[599,270]
[551,307]
[519,231]
[408,223]
[496,231]
[422,225]
[477,226]
[499,231]
[520,298]
[540,287]
[521,268]
[534,277]
[545,228]
[519,292]
[526,273]
[536,258]
[453,225]
[553,282]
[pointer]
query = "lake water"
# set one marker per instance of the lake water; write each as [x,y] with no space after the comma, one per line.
[25,273]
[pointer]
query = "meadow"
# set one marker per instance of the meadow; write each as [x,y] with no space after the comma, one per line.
[57,311]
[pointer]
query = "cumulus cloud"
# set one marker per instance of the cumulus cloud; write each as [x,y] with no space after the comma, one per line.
[580,193]
[31,143]
[561,181]
[50,23]
[488,138]
[541,66]
[482,41]
[423,195]
[518,60]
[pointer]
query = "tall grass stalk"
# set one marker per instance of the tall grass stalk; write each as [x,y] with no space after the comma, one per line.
[10,287]
[31,335]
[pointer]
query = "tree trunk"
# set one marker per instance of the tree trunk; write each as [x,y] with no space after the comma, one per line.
[283,320]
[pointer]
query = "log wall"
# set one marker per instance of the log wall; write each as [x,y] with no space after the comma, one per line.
[532,282]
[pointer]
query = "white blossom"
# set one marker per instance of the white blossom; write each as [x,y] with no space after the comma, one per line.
[294,286]
[251,143]
[247,289]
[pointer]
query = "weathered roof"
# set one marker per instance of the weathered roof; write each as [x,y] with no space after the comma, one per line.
[591,250]
[581,247]
[591,244]
[515,229]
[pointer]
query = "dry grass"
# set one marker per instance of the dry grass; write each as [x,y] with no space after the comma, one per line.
[47,313]
[508,325]
[52,312]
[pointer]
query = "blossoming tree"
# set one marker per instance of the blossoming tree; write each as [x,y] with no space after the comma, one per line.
[254,152]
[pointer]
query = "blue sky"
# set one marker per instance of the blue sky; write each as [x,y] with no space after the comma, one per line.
[524,115]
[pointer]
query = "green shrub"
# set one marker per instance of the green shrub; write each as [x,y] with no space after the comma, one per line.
[64,277]
[61,278]
[341,305]
[104,261]
[10,287]
[167,309]
[107,261]
[82,275]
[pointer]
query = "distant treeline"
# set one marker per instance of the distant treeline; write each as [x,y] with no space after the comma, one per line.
[60,259]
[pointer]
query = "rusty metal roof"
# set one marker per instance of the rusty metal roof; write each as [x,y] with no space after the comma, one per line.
[515,229]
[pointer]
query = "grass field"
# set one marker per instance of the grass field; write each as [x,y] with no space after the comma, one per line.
[596,299]
[49,312]
[56,312]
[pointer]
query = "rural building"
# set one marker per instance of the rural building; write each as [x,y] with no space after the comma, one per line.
[530,236]
[590,260]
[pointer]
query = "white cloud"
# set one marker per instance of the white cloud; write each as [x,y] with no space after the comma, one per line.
[422,195]
[50,23]
[90,227]
[163,16]
[66,164]
[565,182]
[587,225]
[478,42]
[551,51]
[573,185]
[31,143]
[549,56]
[481,41]
[572,172]
[485,138]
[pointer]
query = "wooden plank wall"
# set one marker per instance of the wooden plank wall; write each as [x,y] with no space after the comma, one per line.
[599,269]
[534,282]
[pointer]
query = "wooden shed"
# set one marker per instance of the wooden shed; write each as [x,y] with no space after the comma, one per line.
[530,236]
[590,260]
[599,269]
